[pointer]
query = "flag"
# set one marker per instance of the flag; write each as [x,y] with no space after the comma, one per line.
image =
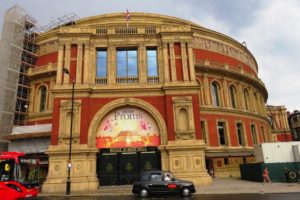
[127,18]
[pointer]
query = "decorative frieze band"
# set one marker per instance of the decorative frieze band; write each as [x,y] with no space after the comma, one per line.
[218,47]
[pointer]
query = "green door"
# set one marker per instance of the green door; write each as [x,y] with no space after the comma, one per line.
[107,168]
[122,168]
[129,168]
[149,160]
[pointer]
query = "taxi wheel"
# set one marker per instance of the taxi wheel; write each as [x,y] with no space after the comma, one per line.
[143,193]
[186,192]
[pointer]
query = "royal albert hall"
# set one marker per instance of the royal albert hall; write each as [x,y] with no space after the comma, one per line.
[157,93]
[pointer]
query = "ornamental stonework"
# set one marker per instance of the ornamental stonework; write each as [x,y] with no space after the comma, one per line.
[225,49]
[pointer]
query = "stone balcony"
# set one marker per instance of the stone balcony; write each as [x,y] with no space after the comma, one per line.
[44,69]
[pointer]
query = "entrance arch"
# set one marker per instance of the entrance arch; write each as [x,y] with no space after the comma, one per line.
[129,102]
[127,133]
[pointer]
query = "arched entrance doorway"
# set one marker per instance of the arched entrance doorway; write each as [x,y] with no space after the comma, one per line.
[127,138]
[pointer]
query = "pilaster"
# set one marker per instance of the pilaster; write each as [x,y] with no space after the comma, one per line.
[226,95]
[92,64]
[59,64]
[166,62]
[206,89]
[111,65]
[184,61]
[142,64]
[191,62]
[173,66]
[67,62]
[86,70]
[79,63]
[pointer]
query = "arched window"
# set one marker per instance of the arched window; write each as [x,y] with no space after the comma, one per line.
[215,93]
[232,91]
[43,95]
[246,99]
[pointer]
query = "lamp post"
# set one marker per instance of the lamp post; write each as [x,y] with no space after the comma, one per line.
[68,187]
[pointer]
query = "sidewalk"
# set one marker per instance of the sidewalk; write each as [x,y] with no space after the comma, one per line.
[238,186]
[219,186]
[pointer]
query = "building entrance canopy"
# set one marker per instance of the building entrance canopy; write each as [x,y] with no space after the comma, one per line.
[127,127]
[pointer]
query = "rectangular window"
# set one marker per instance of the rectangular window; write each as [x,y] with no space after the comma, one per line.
[222,133]
[101,63]
[127,63]
[240,134]
[152,62]
[253,133]
[203,131]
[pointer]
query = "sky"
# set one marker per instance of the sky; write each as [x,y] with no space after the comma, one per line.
[270,28]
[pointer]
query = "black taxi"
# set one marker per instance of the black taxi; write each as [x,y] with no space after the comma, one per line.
[161,182]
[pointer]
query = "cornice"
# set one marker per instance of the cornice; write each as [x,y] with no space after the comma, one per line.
[39,116]
[229,112]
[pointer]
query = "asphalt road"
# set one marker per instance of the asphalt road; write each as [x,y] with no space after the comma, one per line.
[285,196]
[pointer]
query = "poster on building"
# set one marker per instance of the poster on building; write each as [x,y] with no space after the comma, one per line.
[127,127]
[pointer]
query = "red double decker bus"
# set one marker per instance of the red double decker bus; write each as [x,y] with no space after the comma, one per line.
[19,176]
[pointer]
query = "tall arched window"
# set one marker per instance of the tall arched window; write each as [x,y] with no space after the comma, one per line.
[232,91]
[43,95]
[215,93]
[246,99]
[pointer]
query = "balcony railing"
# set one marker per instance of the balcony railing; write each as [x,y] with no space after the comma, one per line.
[127,80]
[152,79]
[42,69]
[101,81]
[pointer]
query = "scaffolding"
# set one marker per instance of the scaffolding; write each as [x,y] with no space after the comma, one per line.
[28,60]
[17,55]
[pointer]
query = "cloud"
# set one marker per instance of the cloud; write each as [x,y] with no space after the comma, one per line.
[274,40]
[270,28]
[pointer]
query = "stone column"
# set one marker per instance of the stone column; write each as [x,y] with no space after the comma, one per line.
[166,62]
[173,65]
[142,64]
[191,62]
[240,96]
[92,64]
[184,61]
[67,63]
[206,86]
[226,95]
[160,63]
[50,97]
[79,63]
[111,65]
[87,67]
[202,91]
[59,64]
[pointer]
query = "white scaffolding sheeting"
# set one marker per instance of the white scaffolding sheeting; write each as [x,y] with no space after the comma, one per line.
[39,128]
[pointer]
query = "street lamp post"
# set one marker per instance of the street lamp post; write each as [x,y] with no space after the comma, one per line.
[68,187]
